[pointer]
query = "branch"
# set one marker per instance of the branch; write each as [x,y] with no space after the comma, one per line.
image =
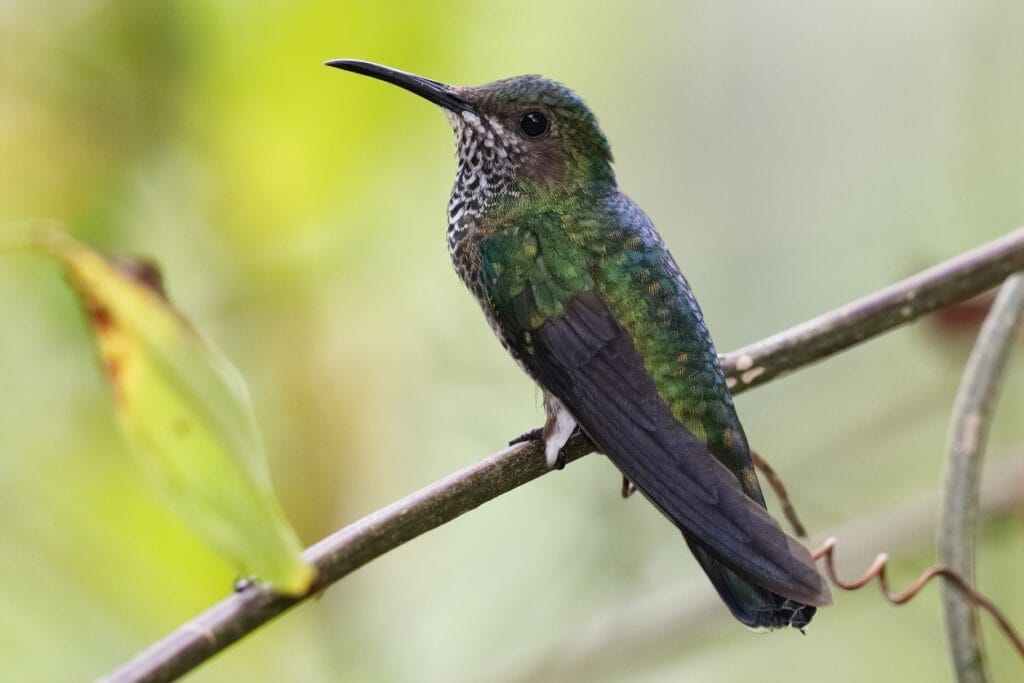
[948,283]
[969,425]
[366,539]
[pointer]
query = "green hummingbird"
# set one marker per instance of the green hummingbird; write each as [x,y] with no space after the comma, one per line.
[582,292]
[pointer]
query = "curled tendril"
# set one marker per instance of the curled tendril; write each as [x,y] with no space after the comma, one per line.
[877,570]
[775,481]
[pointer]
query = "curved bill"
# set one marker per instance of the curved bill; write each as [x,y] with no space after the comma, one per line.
[438,93]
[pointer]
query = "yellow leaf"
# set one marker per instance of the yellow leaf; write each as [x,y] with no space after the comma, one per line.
[186,411]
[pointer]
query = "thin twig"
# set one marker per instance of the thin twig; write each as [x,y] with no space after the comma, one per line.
[969,426]
[343,552]
[775,481]
[355,545]
[877,571]
[948,283]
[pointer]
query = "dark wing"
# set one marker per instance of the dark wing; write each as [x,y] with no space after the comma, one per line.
[586,359]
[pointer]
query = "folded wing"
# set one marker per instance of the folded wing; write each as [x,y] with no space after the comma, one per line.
[588,360]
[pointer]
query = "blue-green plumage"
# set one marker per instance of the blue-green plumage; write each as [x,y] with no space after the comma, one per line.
[580,289]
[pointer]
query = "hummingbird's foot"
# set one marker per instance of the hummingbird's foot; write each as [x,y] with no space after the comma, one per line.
[535,434]
[628,487]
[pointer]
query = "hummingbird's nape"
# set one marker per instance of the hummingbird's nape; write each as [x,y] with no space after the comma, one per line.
[433,91]
[580,289]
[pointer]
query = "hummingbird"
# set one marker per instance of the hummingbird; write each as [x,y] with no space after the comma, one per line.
[583,293]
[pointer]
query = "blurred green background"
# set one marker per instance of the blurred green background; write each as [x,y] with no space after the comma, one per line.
[794,157]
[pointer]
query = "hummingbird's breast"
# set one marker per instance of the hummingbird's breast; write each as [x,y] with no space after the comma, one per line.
[485,174]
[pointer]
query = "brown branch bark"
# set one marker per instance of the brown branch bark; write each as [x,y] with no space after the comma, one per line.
[368,538]
[947,283]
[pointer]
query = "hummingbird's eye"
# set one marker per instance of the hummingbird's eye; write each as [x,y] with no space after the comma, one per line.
[534,124]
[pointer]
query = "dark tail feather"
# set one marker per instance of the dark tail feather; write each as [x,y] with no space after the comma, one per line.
[751,604]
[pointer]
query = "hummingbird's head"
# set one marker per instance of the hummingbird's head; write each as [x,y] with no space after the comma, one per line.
[521,133]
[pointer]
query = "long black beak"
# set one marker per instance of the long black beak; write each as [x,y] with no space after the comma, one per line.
[438,93]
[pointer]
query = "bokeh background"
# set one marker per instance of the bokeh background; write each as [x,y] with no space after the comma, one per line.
[794,156]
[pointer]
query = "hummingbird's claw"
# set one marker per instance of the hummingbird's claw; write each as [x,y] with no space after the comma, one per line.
[535,434]
[560,461]
[628,487]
